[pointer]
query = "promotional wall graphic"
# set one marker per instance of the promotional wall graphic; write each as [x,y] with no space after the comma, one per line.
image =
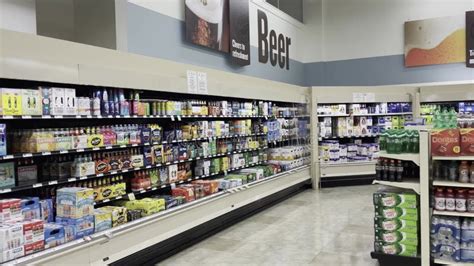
[435,41]
[207,23]
[470,38]
[221,25]
[239,31]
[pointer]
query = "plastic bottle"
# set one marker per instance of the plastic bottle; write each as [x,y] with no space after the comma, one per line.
[452,116]
[464,172]
[399,171]
[471,173]
[415,142]
[470,200]
[461,200]
[440,200]
[452,171]
[450,200]
[105,103]
[392,171]
[379,169]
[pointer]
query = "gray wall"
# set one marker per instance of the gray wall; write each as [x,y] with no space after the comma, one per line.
[85,21]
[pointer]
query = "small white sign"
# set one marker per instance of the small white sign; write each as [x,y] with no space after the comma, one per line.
[369,97]
[202,82]
[192,81]
[357,97]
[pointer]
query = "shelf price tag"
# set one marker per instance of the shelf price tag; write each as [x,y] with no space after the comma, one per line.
[131,196]
[37,185]
[173,185]
[179,118]
[8,190]
[172,118]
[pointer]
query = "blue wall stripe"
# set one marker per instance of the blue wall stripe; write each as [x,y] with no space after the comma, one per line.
[382,70]
[157,35]
[154,34]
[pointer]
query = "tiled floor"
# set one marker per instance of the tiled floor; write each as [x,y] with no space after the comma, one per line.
[330,227]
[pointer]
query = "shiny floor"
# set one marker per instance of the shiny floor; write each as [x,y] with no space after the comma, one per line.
[331,227]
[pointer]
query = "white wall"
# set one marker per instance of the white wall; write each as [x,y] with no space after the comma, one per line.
[18,15]
[305,44]
[369,28]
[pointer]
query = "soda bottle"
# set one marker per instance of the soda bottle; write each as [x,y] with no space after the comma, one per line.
[464,172]
[388,141]
[471,173]
[461,200]
[392,171]
[379,169]
[440,200]
[384,170]
[383,141]
[415,142]
[450,200]
[399,171]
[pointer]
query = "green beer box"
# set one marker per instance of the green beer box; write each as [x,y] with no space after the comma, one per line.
[396,249]
[391,225]
[390,199]
[396,213]
[387,237]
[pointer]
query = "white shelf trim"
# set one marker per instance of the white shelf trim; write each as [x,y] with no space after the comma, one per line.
[414,157]
[453,213]
[445,262]
[453,158]
[452,184]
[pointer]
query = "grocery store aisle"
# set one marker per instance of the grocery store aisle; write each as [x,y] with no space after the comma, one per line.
[330,227]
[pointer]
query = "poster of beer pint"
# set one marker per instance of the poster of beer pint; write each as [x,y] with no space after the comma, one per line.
[207,23]
[435,41]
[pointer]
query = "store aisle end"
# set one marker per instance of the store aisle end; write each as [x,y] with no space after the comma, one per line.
[327,227]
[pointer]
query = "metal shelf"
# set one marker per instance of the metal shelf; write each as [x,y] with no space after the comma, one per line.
[453,213]
[115,147]
[453,158]
[452,184]
[387,114]
[445,262]
[345,115]
[412,184]
[172,117]
[117,172]
[413,157]
[162,186]
[349,163]
[334,115]
[350,137]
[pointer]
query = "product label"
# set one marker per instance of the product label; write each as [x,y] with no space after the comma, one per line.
[440,204]
[445,142]
[467,141]
[460,205]
[450,204]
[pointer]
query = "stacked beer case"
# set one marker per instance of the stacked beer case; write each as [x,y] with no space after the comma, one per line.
[396,222]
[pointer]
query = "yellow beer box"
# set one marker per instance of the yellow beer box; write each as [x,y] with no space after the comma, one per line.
[11,103]
[31,102]
[119,214]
